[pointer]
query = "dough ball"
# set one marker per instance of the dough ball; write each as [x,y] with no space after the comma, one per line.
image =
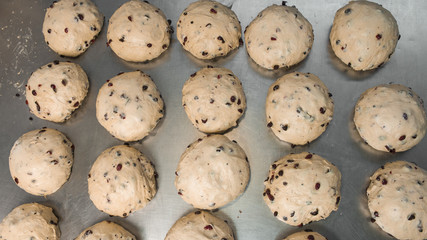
[40,161]
[213,99]
[280,36]
[200,225]
[105,230]
[55,90]
[121,181]
[397,202]
[301,188]
[138,31]
[364,35]
[305,235]
[30,221]
[212,172]
[390,117]
[129,106]
[208,29]
[298,108]
[70,26]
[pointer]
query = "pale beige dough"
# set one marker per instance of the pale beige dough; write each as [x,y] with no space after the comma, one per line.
[305,235]
[105,230]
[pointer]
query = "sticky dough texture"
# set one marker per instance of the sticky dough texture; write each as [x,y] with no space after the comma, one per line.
[396,200]
[304,235]
[298,108]
[212,172]
[213,99]
[364,35]
[390,117]
[105,230]
[301,188]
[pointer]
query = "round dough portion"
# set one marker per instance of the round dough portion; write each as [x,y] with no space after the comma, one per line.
[55,90]
[213,99]
[200,225]
[298,108]
[280,36]
[364,35]
[396,200]
[212,172]
[70,26]
[390,118]
[30,221]
[40,161]
[121,181]
[129,106]
[138,31]
[302,188]
[208,29]
[105,230]
[305,235]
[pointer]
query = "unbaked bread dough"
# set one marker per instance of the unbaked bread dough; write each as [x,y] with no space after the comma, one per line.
[212,172]
[364,35]
[298,108]
[40,161]
[301,188]
[71,26]
[55,90]
[105,230]
[121,181]
[305,235]
[390,117]
[397,200]
[213,99]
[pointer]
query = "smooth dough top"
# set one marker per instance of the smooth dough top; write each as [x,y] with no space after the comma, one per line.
[208,29]
[390,117]
[31,221]
[298,108]
[40,161]
[302,188]
[213,99]
[129,106]
[212,172]
[105,230]
[397,200]
[70,26]
[138,31]
[364,35]
[305,235]
[200,225]
[280,36]
[121,181]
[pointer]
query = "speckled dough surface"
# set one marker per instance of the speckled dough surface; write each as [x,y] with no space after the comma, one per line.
[208,29]
[138,31]
[364,35]
[40,161]
[298,108]
[213,99]
[212,172]
[105,230]
[55,90]
[390,117]
[280,36]
[70,26]
[301,188]
[397,200]
[305,235]
[129,106]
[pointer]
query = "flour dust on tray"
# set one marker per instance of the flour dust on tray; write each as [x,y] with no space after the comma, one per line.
[105,230]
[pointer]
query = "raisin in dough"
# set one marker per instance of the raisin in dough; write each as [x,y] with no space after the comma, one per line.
[212,172]
[208,29]
[121,181]
[213,99]
[71,26]
[40,161]
[55,90]
[200,225]
[397,200]
[105,230]
[301,188]
[280,36]
[305,235]
[129,106]
[298,108]
[138,31]
[390,117]
[364,35]
[30,221]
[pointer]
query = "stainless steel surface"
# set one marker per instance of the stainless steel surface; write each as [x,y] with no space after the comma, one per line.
[23,50]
